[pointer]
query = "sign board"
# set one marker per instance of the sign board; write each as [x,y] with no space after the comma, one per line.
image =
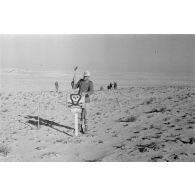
[75,100]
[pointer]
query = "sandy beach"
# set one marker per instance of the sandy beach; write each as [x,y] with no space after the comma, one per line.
[150,124]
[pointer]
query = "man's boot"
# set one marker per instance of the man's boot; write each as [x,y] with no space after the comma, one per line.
[85,125]
[81,126]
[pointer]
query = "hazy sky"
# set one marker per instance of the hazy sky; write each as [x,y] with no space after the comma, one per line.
[131,53]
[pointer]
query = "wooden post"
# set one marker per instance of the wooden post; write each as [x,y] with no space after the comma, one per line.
[76,123]
[38,115]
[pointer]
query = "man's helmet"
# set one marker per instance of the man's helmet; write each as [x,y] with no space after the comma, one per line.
[86,74]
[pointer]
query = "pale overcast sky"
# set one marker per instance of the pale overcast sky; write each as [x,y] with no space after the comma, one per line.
[129,53]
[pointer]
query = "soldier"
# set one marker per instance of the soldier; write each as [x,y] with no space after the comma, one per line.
[110,85]
[56,86]
[115,85]
[85,86]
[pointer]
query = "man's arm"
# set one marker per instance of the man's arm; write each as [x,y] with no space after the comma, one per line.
[75,85]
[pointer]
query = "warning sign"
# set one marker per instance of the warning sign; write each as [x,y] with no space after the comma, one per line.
[75,100]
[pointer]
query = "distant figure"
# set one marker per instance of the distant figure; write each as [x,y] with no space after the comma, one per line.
[56,86]
[101,88]
[115,85]
[110,85]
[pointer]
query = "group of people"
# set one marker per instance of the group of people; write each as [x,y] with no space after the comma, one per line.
[109,86]
[112,86]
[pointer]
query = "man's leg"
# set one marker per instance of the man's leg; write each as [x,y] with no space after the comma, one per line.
[81,119]
[86,117]
[85,120]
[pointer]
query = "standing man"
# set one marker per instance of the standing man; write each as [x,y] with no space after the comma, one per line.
[115,85]
[86,88]
[110,85]
[56,86]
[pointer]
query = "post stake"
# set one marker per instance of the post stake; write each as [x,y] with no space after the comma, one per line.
[76,123]
[38,115]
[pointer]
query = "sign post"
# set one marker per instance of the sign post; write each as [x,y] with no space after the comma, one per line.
[38,112]
[75,102]
[76,111]
[76,124]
